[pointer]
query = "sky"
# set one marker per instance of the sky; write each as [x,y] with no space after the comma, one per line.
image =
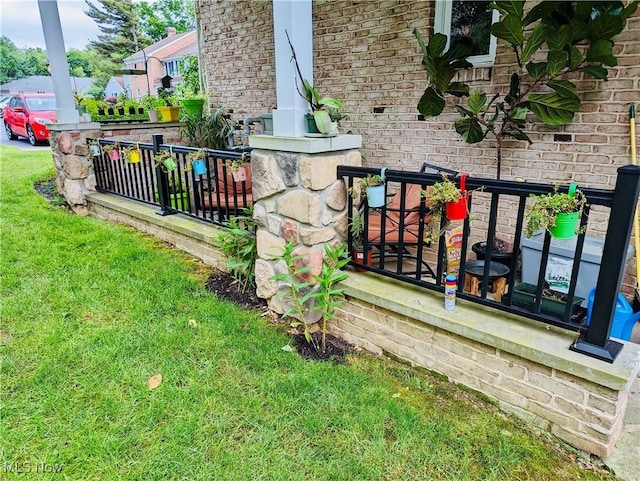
[20,21]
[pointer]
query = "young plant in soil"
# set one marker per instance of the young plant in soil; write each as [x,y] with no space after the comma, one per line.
[322,289]
[238,244]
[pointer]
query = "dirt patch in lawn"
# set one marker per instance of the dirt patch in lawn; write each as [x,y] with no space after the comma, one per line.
[49,190]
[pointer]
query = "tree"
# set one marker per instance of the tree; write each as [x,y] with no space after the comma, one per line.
[80,62]
[578,38]
[155,18]
[17,63]
[118,23]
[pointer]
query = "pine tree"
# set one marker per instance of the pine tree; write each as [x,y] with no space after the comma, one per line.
[118,23]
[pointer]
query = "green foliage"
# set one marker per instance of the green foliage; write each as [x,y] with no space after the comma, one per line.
[211,131]
[541,214]
[151,102]
[155,18]
[438,195]
[80,62]
[87,319]
[321,294]
[20,63]
[117,20]
[323,108]
[189,87]
[578,38]
[238,245]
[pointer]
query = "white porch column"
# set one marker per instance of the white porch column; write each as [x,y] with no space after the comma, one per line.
[294,17]
[66,112]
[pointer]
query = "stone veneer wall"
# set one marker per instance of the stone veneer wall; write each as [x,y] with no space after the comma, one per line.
[74,171]
[296,196]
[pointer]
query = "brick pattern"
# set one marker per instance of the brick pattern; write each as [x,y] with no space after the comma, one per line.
[584,414]
[365,54]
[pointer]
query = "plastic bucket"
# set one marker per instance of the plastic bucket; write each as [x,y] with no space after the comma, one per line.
[566,224]
[199,167]
[375,195]
[95,150]
[170,164]
[623,317]
[134,156]
[193,108]
[457,210]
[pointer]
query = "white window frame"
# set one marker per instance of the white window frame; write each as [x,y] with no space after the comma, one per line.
[442,24]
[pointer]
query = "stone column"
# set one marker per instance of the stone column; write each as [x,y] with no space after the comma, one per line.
[74,170]
[297,195]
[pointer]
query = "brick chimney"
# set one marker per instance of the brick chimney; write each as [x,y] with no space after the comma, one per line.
[171,31]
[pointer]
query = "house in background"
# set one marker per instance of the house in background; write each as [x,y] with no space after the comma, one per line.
[114,87]
[43,84]
[159,60]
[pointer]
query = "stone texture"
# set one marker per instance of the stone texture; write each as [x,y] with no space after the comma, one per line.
[74,192]
[268,244]
[337,196]
[75,167]
[318,172]
[265,177]
[300,205]
[313,237]
[260,214]
[354,158]
[288,164]
[290,230]
[64,142]
[266,288]
[309,256]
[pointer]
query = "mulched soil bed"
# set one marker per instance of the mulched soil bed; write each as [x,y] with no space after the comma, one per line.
[49,190]
[225,287]
[336,349]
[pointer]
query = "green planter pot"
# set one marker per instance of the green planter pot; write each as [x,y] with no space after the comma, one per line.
[524,295]
[193,108]
[566,225]
[178,201]
[312,128]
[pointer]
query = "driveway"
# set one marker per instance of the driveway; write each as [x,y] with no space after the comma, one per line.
[21,143]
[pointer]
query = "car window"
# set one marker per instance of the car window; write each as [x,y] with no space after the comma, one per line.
[41,103]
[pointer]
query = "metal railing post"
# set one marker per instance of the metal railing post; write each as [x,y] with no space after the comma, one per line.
[162,181]
[595,341]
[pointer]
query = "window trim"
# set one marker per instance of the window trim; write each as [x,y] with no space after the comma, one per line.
[442,24]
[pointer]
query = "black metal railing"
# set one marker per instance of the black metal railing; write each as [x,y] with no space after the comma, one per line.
[214,195]
[404,252]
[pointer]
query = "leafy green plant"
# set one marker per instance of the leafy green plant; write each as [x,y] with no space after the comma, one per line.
[541,214]
[211,131]
[238,245]
[578,38]
[370,180]
[151,102]
[322,108]
[236,163]
[322,293]
[356,227]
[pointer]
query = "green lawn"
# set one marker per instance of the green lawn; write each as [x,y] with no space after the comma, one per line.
[90,311]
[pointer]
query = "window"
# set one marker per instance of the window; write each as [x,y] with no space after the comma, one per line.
[469,22]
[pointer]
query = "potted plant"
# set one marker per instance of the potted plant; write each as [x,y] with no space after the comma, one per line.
[238,168]
[132,154]
[113,150]
[192,103]
[318,120]
[558,212]
[94,148]
[212,130]
[152,103]
[168,112]
[357,232]
[197,161]
[165,160]
[446,201]
[374,187]
[78,99]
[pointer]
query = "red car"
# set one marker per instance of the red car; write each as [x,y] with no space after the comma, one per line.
[26,115]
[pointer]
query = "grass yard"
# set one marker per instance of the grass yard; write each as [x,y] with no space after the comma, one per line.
[91,311]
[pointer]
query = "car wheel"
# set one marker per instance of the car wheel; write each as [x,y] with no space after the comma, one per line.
[31,136]
[10,134]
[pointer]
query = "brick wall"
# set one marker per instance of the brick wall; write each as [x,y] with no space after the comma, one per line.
[365,54]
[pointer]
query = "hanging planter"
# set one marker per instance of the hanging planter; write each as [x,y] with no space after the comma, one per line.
[557,212]
[457,209]
[375,189]
[94,148]
[133,155]
[165,160]
[238,168]
[112,150]
[196,160]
